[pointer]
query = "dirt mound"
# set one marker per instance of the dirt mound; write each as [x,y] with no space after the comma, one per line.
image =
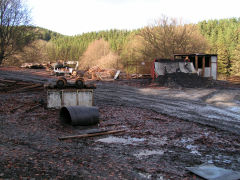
[179,79]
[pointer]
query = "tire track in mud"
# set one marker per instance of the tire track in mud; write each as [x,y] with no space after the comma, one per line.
[23,76]
[191,110]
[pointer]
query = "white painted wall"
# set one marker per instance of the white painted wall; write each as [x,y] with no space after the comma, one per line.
[59,98]
[207,72]
[214,67]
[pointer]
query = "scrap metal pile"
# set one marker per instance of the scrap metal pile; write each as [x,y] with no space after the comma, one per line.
[187,80]
[178,73]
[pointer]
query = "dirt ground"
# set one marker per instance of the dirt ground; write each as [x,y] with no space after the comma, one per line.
[218,107]
[165,132]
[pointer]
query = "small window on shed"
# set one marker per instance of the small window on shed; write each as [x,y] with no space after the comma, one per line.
[207,61]
[200,61]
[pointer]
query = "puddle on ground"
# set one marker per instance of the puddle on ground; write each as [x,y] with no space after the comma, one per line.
[217,112]
[235,109]
[126,141]
[148,153]
[158,141]
[149,176]
[186,140]
[145,175]
[219,159]
[187,143]
[193,149]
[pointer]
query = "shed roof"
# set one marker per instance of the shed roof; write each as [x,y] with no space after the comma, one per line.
[168,60]
[195,54]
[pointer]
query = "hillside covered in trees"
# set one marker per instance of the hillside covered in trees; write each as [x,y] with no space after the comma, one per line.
[223,37]
[161,39]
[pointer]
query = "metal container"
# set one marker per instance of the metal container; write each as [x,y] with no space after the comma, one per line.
[79,115]
[69,97]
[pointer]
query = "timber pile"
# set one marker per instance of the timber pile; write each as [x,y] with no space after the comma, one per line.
[14,86]
[234,80]
[33,66]
[96,73]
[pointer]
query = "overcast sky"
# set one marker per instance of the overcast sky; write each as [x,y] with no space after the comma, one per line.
[72,17]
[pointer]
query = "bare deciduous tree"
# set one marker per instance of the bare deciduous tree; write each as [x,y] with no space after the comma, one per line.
[99,54]
[167,37]
[14,34]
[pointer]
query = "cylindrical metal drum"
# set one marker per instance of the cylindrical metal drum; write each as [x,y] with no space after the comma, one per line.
[79,115]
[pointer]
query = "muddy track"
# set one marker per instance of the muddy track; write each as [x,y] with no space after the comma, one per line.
[189,104]
[23,76]
[195,110]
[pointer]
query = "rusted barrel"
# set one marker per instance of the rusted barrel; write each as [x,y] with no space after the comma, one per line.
[79,115]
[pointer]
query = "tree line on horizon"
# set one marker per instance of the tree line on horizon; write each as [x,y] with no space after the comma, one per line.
[223,37]
[159,40]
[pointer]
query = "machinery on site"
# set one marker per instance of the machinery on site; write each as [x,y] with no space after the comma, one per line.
[65,68]
[72,83]
[62,82]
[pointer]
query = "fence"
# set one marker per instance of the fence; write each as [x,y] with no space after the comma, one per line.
[138,68]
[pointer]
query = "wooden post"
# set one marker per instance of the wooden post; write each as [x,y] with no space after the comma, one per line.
[136,70]
[91,134]
[210,62]
[196,63]
[203,66]
[127,70]
[210,66]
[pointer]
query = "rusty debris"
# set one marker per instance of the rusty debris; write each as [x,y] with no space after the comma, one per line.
[100,133]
